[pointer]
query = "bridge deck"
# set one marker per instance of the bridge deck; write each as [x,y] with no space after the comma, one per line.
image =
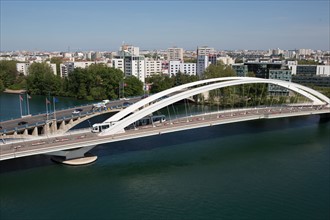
[42,145]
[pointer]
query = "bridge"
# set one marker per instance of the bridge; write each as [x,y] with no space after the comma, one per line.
[72,147]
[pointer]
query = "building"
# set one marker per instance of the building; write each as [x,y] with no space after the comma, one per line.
[68,67]
[280,74]
[312,80]
[175,54]
[317,75]
[23,68]
[202,64]
[205,51]
[174,67]
[240,69]
[134,64]
[266,71]
[118,63]
[134,51]
[188,68]
[152,67]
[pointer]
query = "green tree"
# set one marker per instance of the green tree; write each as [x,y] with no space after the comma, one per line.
[133,86]
[41,79]
[219,70]
[160,83]
[222,95]
[181,78]
[2,86]
[8,73]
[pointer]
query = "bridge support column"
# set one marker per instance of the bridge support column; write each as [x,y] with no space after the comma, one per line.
[53,127]
[45,129]
[70,122]
[35,131]
[74,157]
[62,125]
[25,132]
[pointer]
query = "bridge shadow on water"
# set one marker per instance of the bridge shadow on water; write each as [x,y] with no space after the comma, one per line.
[170,139]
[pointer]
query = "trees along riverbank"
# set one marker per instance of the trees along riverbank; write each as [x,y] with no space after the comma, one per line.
[99,82]
[96,82]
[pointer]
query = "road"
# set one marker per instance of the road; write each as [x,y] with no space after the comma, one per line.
[32,120]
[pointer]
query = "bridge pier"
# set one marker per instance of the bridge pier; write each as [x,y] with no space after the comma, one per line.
[53,127]
[45,129]
[35,131]
[62,125]
[74,157]
[25,132]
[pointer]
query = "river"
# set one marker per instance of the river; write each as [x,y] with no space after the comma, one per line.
[267,169]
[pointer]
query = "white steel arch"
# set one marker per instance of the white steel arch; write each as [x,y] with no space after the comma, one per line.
[161,94]
[119,126]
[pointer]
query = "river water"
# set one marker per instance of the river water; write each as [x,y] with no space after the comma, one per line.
[267,169]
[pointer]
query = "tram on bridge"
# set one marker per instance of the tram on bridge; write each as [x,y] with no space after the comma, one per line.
[148,120]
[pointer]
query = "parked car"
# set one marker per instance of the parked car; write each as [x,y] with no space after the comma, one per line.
[22,123]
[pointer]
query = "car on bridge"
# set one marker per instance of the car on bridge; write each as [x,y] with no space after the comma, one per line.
[22,123]
[77,111]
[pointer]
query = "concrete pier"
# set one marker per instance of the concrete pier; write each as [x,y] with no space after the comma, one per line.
[75,162]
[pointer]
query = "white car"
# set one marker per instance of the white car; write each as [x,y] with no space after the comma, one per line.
[77,111]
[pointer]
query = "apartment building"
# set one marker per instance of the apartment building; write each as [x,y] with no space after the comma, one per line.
[187,68]
[175,54]
[152,67]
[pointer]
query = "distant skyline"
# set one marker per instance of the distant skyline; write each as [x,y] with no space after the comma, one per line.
[56,25]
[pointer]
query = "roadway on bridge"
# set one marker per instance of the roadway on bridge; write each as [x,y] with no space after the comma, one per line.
[87,138]
[41,118]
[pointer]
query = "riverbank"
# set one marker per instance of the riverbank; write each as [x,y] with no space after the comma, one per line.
[11,91]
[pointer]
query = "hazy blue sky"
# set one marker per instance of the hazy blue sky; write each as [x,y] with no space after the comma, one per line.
[104,25]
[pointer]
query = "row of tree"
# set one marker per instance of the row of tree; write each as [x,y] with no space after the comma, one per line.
[96,82]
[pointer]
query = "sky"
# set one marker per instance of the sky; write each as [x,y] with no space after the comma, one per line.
[103,25]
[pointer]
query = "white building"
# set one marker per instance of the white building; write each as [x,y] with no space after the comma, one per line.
[23,68]
[188,68]
[135,66]
[323,70]
[205,51]
[152,67]
[227,60]
[63,70]
[118,63]
[202,64]
[135,51]
[305,51]
[174,67]
[175,54]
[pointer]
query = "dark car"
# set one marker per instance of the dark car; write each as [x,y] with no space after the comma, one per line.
[144,96]
[126,104]
[22,123]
